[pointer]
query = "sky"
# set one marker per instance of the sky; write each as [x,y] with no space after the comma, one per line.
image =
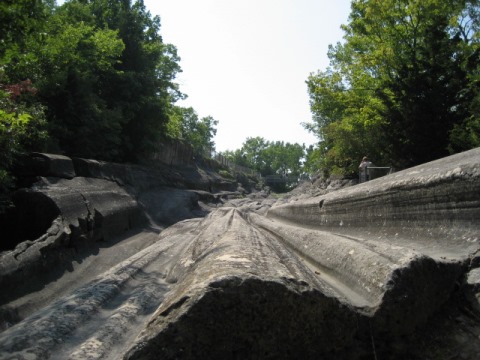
[245,62]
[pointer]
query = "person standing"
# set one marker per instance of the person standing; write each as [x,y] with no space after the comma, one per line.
[363,169]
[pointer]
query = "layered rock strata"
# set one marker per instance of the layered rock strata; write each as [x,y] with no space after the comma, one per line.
[346,275]
[74,207]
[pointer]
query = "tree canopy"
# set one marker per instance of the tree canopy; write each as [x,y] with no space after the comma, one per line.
[104,81]
[402,87]
[186,126]
[270,157]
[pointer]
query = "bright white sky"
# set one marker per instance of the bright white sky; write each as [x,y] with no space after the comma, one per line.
[245,62]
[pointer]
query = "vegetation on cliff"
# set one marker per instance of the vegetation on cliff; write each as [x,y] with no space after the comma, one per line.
[104,82]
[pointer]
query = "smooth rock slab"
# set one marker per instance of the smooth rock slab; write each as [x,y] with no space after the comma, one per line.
[245,289]
[239,295]
[433,208]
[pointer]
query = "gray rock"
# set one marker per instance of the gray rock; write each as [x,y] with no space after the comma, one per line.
[350,274]
[433,207]
[53,165]
[63,217]
[472,288]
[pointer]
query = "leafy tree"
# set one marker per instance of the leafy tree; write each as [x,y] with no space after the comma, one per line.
[101,69]
[22,118]
[466,135]
[22,127]
[80,58]
[284,158]
[19,20]
[185,125]
[253,151]
[237,157]
[145,89]
[268,157]
[398,87]
[312,161]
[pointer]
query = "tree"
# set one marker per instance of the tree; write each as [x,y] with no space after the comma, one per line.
[19,20]
[185,125]
[398,86]
[269,157]
[284,159]
[144,88]
[22,118]
[252,150]
[466,135]
[75,61]
[22,127]
[102,71]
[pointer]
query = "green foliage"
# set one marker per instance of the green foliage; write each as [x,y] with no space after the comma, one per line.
[253,153]
[401,88]
[269,157]
[313,160]
[19,20]
[101,69]
[284,158]
[226,174]
[185,125]
[21,127]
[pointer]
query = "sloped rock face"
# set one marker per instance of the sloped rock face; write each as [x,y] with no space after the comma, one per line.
[68,216]
[240,295]
[73,207]
[350,274]
[435,204]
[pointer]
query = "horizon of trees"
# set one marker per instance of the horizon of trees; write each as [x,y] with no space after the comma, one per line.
[93,78]
[270,158]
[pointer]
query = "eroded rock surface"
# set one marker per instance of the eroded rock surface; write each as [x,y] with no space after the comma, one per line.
[351,274]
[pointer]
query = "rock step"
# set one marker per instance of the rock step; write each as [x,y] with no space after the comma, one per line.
[348,263]
[393,284]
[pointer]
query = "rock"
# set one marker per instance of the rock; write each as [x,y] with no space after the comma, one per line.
[350,274]
[384,281]
[31,216]
[472,288]
[96,208]
[166,206]
[433,207]
[53,165]
[62,218]
[135,177]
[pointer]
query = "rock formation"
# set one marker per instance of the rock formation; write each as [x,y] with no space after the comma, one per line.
[355,273]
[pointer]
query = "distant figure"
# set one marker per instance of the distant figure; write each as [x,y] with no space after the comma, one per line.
[363,169]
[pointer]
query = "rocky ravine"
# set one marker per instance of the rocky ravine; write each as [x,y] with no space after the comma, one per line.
[383,270]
